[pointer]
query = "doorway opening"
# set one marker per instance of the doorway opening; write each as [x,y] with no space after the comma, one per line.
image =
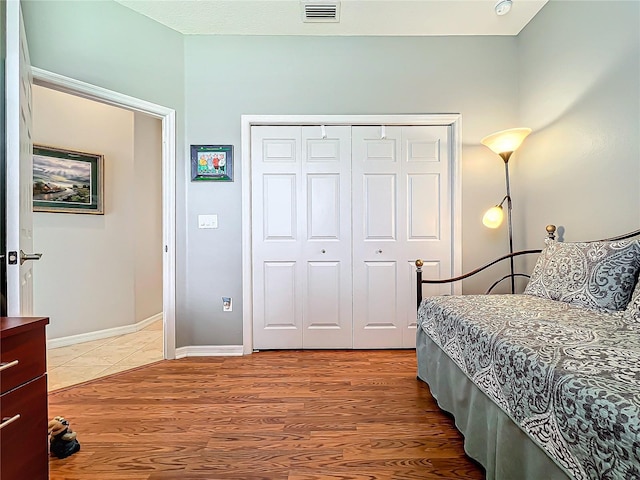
[118,253]
[165,117]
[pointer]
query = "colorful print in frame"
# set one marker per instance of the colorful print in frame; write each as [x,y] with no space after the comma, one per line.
[66,181]
[212,162]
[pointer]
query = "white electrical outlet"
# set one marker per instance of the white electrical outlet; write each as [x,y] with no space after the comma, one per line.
[227,304]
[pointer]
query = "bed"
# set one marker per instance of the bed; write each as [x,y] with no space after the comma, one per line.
[544,384]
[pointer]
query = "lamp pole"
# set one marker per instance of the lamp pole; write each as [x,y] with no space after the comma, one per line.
[504,143]
[506,156]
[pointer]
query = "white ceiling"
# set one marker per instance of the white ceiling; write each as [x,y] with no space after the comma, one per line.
[357,17]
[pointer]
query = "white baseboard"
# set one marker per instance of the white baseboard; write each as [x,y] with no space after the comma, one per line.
[100,334]
[210,351]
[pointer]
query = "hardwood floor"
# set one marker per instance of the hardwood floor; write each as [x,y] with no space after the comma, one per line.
[296,415]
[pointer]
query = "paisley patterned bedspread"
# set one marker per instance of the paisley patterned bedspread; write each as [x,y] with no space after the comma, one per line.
[567,375]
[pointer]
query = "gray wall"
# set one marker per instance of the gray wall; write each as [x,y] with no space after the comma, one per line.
[106,44]
[579,77]
[494,82]
[228,76]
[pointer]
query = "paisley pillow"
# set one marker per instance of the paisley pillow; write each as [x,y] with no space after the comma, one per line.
[598,275]
[633,309]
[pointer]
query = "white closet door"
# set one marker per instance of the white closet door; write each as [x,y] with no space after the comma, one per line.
[326,254]
[401,211]
[301,237]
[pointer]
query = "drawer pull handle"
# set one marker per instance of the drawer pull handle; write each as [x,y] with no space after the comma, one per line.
[9,421]
[4,366]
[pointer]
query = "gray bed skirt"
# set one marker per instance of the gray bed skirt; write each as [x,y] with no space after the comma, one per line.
[490,436]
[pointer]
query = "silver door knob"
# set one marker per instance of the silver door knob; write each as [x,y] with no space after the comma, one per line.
[378,251]
[323,251]
[29,256]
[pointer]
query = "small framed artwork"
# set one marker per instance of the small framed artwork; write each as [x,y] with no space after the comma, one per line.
[66,181]
[212,162]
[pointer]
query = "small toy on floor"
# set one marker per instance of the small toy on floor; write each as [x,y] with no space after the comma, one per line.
[62,440]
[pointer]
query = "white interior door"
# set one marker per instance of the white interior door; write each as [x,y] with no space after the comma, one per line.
[401,211]
[301,237]
[19,165]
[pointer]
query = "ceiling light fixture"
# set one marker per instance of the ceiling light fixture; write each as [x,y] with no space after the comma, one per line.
[503,7]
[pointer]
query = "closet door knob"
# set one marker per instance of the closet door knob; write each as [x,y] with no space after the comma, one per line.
[323,251]
[379,251]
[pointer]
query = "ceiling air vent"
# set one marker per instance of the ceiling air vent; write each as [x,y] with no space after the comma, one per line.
[320,12]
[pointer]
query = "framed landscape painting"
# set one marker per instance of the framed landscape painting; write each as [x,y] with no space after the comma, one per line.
[66,181]
[212,162]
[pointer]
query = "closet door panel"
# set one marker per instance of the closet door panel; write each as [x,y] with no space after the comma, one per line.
[326,167]
[277,237]
[401,194]
[376,169]
[301,204]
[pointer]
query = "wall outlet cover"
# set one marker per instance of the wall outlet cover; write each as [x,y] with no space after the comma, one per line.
[227,304]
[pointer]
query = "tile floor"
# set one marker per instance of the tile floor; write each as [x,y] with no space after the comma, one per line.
[86,361]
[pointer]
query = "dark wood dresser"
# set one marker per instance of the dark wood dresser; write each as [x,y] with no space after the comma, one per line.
[24,448]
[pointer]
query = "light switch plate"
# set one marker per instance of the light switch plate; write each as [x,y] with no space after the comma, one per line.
[207,221]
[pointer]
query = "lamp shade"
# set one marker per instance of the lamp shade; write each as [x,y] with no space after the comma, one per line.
[506,140]
[493,217]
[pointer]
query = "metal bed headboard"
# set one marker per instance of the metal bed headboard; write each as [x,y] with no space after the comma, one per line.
[551,232]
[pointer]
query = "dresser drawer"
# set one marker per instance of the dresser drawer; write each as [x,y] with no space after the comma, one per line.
[23,357]
[24,442]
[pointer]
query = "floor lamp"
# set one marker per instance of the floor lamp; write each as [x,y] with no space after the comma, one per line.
[504,143]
